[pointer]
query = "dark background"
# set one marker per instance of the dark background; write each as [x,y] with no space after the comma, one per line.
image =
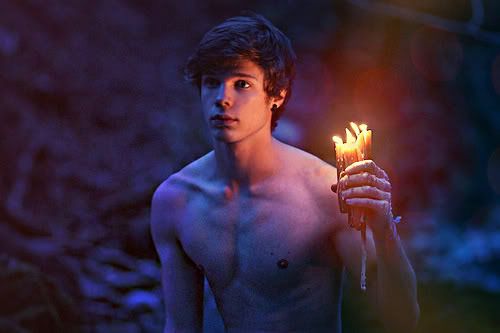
[94,114]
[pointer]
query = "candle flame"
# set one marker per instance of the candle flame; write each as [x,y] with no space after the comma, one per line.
[363,127]
[355,128]
[337,140]
[349,137]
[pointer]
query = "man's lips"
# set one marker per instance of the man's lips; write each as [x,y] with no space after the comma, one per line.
[222,117]
[222,120]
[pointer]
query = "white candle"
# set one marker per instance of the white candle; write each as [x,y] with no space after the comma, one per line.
[357,147]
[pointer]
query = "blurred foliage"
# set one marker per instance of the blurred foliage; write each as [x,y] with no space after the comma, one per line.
[33,302]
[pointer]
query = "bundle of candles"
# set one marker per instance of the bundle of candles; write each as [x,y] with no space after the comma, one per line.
[358,147]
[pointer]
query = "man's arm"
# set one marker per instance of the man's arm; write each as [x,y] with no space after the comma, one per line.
[391,283]
[181,280]
[396,282]
[391,279]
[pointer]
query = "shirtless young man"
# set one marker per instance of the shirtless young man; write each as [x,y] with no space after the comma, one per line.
[258,218]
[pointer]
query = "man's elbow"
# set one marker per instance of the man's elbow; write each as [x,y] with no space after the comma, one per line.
[416,316]
[413,318]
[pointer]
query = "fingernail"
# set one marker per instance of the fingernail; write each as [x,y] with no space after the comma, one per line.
[334,188]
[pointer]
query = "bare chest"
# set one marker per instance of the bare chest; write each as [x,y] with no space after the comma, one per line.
[265,243]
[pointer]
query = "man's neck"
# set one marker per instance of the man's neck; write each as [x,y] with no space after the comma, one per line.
[247,162]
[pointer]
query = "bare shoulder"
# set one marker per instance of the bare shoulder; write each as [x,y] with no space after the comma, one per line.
[316,177]
[184,180]
[171,197]
[312,168]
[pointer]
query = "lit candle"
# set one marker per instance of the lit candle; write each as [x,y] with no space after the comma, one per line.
[357,147]
[367,139]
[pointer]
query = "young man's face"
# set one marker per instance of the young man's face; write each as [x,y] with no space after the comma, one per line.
[235,104]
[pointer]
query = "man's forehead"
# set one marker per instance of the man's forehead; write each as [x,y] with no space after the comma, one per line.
[245,68]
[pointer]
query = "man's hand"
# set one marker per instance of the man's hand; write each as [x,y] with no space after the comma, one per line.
[365,185]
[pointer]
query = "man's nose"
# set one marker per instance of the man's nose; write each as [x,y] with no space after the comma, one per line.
[223,98]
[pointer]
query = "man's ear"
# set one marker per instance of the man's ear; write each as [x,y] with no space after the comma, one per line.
[279,100]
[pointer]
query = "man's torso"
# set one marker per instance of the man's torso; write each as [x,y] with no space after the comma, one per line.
[267,253]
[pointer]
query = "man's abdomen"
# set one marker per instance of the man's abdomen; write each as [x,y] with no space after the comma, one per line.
[312,305]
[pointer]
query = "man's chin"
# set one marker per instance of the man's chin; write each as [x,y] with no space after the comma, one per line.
[224,136]
[225,139]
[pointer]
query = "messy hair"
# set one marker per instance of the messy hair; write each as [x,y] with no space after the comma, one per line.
[249,37]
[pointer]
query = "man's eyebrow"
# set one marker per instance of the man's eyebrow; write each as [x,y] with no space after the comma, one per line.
[244,75]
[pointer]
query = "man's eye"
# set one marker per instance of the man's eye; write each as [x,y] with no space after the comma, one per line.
[242,84]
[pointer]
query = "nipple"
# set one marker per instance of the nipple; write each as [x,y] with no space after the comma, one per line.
[282,263]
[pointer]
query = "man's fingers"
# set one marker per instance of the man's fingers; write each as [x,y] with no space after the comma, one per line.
[363,179]
[366,192]
[375,204]
[366,166]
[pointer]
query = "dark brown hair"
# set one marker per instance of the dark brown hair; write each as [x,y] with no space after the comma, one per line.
[248,37]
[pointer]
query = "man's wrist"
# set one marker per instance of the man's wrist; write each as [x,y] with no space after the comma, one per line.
[382,227]
[388,233]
